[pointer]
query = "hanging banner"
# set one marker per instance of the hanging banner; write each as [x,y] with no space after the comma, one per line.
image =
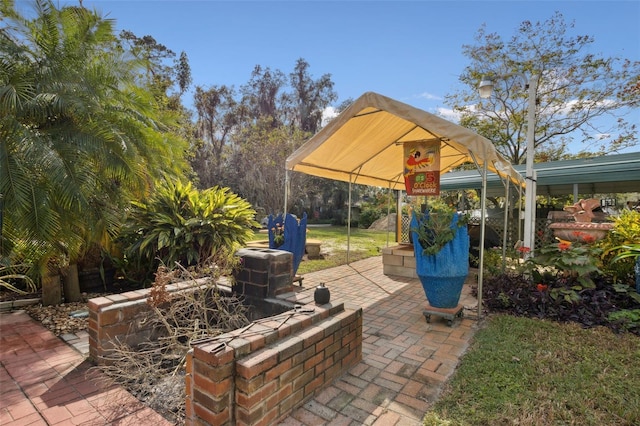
[422,168]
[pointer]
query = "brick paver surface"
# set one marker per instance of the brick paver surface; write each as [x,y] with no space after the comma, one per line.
[44,381]
[405,362]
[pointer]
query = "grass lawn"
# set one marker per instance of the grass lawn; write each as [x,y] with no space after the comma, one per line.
[522,371]
[333,249]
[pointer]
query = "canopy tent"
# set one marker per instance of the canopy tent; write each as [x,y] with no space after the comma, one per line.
[364,145]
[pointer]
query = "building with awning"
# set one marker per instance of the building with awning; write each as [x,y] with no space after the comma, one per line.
[608,174]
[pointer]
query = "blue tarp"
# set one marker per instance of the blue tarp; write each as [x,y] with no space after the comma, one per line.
[443,274]
[295,236]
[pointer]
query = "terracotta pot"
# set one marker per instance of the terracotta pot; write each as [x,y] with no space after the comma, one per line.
[577,231]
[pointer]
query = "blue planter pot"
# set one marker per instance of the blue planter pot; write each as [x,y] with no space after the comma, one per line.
[295,236]
[442,275]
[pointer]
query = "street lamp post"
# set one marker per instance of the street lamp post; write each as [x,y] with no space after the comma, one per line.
[485,89]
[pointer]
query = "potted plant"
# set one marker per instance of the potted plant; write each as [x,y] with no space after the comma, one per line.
[289,234]
[441,247]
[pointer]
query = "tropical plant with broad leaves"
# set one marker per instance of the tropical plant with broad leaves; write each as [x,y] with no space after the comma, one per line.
[181,224]
[621,246]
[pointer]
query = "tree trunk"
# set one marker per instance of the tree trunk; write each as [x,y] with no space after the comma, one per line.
[51,290]
[71,285]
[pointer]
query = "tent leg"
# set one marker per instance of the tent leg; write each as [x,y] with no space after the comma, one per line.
[349,223]
[389,211]
[483,205]
[286,190]
[505,227]
[399,216]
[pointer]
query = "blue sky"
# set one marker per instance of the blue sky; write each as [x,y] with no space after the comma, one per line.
[408,50]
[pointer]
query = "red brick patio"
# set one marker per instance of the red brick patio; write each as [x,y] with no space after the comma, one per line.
[405,362]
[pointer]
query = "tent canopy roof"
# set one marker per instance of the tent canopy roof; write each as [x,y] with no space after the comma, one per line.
[364,144]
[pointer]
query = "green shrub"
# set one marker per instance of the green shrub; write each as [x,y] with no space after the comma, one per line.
[436,230]
[512,263]
[625,232]
[573,262]
[629,318]
[368,215]
[180,224]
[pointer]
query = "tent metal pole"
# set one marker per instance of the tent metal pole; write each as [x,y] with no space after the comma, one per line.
[505,226]
[398,216]
[520,214]
[349,223]
[483,205]
[388,210]
[286,190]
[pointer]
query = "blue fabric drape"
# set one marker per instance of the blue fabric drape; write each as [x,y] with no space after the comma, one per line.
[442,275]
[295,236]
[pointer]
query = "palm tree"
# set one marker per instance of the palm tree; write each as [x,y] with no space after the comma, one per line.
[79,135]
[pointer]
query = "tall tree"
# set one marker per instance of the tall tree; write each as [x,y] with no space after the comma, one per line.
[78,135]
[576,88]
[256,165]
[309,97]
[218,117]
[167,77]
[245,141]
[263,95]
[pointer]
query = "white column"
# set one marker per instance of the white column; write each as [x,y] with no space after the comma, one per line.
[530,177]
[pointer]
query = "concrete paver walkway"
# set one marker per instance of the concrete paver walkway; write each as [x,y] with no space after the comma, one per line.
[405,362]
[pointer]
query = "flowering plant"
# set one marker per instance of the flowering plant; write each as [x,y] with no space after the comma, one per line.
[573,263]
[278,234]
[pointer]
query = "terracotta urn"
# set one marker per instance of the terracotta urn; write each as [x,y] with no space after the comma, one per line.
[582,230]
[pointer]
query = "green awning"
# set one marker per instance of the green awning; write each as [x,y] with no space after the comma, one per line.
[618,173]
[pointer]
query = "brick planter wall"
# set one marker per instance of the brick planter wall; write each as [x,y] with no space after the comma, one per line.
[399,260]
[264,272]
[119,316]
[259,374]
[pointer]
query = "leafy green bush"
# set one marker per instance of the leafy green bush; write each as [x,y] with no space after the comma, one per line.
[572,262]
[625,232]
[629,318]
[513,262]
[368,215]
[180,224]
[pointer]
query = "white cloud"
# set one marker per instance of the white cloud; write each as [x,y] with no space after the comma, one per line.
[448,114]
[586,104]
[328,114]
[602,136]
[429,96]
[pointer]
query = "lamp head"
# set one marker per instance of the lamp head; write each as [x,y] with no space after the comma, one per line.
[485,88]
